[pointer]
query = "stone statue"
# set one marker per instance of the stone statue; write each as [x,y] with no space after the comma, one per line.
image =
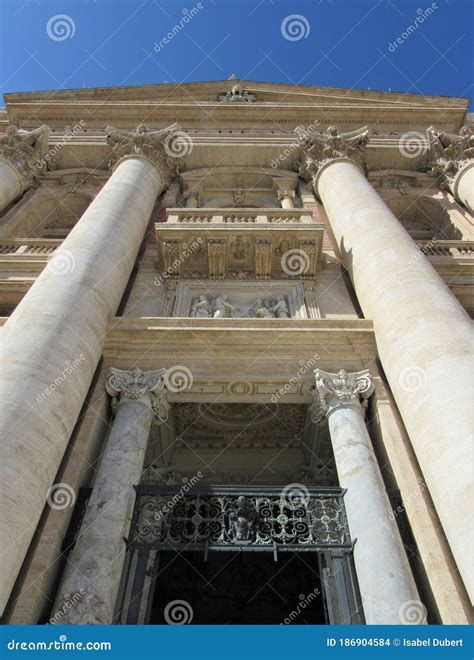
[201,308]
[243,521]
[261,310]
[222,306]
[280,308]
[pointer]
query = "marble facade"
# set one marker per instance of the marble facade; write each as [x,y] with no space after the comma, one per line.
[215,301]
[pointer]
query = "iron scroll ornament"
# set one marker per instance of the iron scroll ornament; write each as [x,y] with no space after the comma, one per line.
[226,517]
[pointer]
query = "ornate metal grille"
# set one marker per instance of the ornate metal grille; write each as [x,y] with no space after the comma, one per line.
[220,518]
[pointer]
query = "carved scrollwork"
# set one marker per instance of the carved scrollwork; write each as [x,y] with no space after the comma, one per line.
[157,146]
[319,149]
[449,153]
[134,384]
[222,519]
[25,151]
[336,389]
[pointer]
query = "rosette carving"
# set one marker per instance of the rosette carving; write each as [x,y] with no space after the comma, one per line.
[134,384]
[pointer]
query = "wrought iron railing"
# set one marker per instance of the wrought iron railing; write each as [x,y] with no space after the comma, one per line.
[219,518]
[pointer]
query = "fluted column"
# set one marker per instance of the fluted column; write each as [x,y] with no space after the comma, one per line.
[95,564]
[452,162]
[21,161]
[424,337]
[286,198]
[385,579]
[53,341]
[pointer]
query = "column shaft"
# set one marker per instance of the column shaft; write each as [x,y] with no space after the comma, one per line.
[383,572]
[424,339]
[52,343]
[463,186]
[95,564]
[11,184]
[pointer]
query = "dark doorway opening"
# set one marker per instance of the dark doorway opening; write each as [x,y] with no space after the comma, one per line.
[240,588]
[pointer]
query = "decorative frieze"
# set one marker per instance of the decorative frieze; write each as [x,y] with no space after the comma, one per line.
[320,149]
[221,307]
[216,254]
[25,151]
[161,147]
[136,383]
[263,258]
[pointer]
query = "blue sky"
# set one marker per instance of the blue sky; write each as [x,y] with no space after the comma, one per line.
[340,43]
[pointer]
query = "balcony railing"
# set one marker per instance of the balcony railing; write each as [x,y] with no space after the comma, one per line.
[40,247]
[238,216]
[454,249]
[220,518]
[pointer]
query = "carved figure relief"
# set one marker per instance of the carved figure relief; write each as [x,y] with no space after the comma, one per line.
[221,307]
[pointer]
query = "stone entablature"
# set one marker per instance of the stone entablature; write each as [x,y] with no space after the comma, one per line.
[240,245]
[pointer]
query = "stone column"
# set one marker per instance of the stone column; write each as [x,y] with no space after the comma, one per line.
[424,337]
[95,564]
[452,161]
[286,198]
[53,341]
[385,579]
[22,160]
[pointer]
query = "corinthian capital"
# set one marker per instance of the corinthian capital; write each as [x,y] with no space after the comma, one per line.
[134,384]
[449,153]
[336,390]
[320,149]
[166,148]
[25,150]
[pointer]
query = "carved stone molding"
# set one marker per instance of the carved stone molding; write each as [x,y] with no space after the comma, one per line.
[216,253]
[25,151]
[449,153]
[134,384]
[340,389]
[161,147]
[320,149]
[237,95]
[263,258]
